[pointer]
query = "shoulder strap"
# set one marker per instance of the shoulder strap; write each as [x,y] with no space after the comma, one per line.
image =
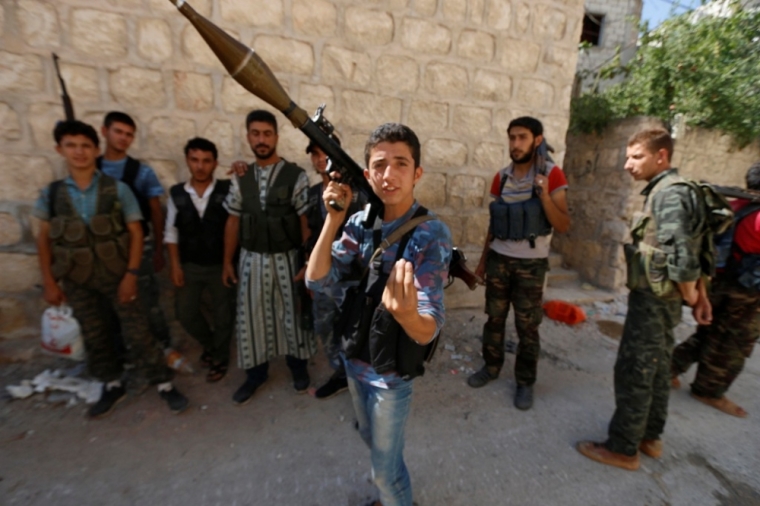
[502,181]
[130,171]
[420,216]
[746,211]
[52,194]
[177,193]
[222,186]
[288,174]
[249,190]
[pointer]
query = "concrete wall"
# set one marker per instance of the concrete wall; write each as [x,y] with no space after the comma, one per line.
[619,30]
[456,71]
[603,197]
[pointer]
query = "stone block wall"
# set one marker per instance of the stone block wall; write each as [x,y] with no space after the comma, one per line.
[603,196]
[456,71]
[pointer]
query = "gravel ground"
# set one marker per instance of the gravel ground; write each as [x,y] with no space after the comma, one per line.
[463,446]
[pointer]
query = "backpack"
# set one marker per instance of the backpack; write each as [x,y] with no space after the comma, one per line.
[719,217]
[747,267]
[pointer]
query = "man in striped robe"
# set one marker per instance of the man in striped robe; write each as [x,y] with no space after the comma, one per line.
[267,206]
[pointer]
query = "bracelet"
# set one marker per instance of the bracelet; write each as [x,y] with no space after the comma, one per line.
[135,272]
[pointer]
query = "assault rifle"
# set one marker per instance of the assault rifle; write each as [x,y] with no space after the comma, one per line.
[68,107]
[248,69]
[737,193]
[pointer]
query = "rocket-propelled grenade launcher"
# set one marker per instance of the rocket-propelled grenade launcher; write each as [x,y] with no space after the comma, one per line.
[248,69]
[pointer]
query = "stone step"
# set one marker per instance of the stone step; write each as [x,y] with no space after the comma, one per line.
[560,277]
[555,260]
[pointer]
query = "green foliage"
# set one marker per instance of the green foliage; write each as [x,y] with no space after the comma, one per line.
[590,113]
[707,69]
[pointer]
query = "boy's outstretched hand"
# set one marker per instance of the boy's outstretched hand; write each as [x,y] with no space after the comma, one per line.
[400,294]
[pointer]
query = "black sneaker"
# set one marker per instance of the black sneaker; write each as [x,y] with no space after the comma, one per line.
[524,397]
[480,378]
[109,398]
[335,385]
[301,380]
[243,394]
[176,401]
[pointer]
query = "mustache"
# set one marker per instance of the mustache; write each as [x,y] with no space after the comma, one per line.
[258,146]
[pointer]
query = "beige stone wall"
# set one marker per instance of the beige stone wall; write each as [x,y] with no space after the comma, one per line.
[603,197]
[456,71]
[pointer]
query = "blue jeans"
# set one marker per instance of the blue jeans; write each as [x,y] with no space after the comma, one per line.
[382,415]
[324,310]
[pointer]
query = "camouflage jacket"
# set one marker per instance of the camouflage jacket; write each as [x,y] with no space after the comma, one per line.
[667,236]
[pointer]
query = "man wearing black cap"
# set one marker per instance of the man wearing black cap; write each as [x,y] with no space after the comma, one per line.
[324,309]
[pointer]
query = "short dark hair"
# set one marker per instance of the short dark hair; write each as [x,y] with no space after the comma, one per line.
[118,117]
[653,139]
[532,124]
[753,176]
[201,144]
[261,115]
[74,127]
[313,144]
[393,132]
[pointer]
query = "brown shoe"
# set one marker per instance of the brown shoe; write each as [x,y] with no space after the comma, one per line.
[599,453]
[651,448]
[723,404]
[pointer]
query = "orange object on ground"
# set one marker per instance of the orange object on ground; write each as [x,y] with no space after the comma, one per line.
[564,312]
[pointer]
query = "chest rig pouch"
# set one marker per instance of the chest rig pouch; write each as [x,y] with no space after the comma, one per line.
[78,248]
[369,332]
[277,228]
[647,259]
[518,221]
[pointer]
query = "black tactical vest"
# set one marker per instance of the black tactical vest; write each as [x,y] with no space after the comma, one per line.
[277,228]
[370,333]
[519,221]
[201,240]
[81,250]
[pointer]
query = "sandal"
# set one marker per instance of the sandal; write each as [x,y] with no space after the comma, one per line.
[206,359]
[217,371]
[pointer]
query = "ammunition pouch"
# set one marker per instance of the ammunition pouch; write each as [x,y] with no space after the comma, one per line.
[82,264]
[519,221]
[75,232]
[109,254]
[101,225]
[647,267]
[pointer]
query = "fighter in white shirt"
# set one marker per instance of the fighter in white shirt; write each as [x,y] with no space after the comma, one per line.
[194,238]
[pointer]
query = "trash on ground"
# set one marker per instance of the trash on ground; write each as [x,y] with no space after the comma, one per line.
[449,347]
[59,380]
[564,312]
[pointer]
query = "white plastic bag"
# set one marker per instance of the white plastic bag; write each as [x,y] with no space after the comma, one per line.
[61,335]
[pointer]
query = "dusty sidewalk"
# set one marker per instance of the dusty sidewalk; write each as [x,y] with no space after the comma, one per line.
[464,446]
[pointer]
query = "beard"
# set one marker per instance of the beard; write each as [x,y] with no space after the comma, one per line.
[263,152]
[523,159]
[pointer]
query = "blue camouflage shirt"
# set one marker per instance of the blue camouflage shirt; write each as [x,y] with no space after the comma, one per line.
[429,250]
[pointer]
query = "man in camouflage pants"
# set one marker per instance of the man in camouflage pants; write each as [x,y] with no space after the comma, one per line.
[721,348]
[663,269]
[515,255]
[90,246]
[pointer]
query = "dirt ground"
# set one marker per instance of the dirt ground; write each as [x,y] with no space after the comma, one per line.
[463,446]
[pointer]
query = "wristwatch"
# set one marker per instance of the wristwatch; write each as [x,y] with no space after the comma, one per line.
[136,272]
